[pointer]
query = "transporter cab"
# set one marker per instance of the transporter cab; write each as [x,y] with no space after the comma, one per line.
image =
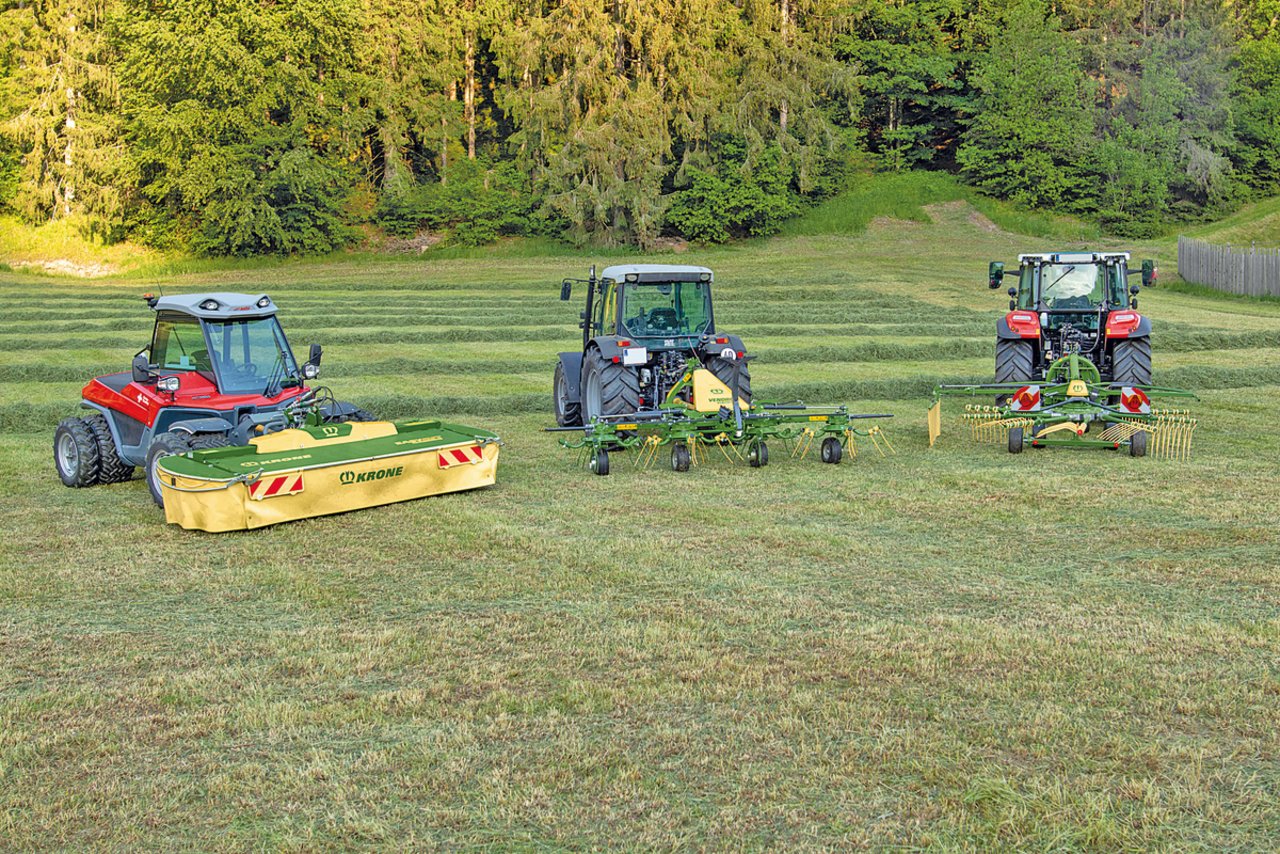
[218,372]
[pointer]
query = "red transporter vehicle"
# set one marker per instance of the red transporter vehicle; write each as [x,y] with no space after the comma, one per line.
[218,371]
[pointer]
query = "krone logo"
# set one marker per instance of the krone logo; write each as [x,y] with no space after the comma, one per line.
[349,477]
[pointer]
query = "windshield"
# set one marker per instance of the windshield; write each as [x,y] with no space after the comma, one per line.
[1071,285]
[250,355]
[655,309]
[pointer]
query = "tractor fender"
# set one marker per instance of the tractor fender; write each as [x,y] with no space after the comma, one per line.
[571,365]
[711,348]
[1005,332]
[131,437]
[191,426]
[607,345]
[1142,330]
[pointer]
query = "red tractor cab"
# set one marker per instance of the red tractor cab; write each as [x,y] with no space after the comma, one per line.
[218,371]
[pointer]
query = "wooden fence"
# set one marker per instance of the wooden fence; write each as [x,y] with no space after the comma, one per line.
[1235,269]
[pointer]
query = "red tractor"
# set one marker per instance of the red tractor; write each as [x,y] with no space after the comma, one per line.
[218,371]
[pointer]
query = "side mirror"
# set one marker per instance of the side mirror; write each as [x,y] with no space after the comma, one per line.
[566,290]
[141,369]
[995,274]
[1149,273]
[313,357]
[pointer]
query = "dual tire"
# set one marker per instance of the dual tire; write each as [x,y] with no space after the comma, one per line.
[84,453]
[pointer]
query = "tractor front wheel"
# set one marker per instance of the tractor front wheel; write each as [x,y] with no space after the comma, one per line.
[832,451]
[164,445]
[568,412]
[75,453]
[1015,360]
[609,388]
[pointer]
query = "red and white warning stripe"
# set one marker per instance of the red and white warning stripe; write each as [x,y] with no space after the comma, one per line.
[460,456]
[272,486]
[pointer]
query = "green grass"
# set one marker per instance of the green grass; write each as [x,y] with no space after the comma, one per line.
[949,647]
[1254,223]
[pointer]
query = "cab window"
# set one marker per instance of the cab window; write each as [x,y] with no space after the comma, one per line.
[178,345]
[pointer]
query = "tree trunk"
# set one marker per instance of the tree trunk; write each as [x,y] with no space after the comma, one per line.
[469,95]
[785,30]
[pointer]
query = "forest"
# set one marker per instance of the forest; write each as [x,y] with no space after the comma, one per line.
[242,127]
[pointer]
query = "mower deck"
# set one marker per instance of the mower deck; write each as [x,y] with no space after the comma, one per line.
[331,468]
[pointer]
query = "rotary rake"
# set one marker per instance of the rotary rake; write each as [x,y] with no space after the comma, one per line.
[1074,408]
[699,419]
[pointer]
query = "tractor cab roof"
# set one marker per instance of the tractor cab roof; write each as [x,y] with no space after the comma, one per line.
[216,306]
[1073,257]
[656,273]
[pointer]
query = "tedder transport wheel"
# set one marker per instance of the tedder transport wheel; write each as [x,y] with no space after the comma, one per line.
[1131,362]
[831,450]
[1015,440]
[75,453]
[680,457]
[758,455]
[608,388]
[111,469]
[723,370]
[568,412]
[1014,362]
[600,462]
[1138,444]
[164,445]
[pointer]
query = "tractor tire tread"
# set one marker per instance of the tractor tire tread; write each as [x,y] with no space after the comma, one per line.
[723,370]
[111,469]
[1131,361]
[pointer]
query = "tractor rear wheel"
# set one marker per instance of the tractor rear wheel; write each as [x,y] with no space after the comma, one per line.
[1015,359]
[1138,444]
[75,453]
[111,469]
[164,445]
[568,412]
[1131,361]
[609,388]
[724,370]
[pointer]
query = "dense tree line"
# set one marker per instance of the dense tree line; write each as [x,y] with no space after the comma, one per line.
[243,126]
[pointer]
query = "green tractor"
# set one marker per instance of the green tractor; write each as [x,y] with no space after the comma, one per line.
[1073,302]
[641,326]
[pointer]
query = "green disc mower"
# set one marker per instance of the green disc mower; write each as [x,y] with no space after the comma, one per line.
[1073,407]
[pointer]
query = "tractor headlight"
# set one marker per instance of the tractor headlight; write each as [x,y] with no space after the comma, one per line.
[210,305]
[310,371]
[264,302]
[169,384]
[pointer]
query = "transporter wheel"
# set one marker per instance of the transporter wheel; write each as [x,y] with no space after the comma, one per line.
[1015,440]
[609,388]
[680,457]
[568,412]
[1138,444]
[75,453]
[600,462]
[1015,361]
[205,441]
[164,445]
[832,450]
[111,469]
[758,455]
[723,370]
[1131,361]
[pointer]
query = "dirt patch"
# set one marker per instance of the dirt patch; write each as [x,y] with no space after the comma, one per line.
[960,211]
[63,267]
[417,244]
[892,223]
[670,244]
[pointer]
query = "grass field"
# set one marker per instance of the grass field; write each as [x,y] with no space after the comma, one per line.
[952,647]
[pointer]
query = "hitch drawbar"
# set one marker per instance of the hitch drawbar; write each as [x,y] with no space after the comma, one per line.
[740,435]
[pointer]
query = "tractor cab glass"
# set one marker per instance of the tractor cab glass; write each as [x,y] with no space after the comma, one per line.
[250,356]
[666,309]
[179,345]
[1072,286]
